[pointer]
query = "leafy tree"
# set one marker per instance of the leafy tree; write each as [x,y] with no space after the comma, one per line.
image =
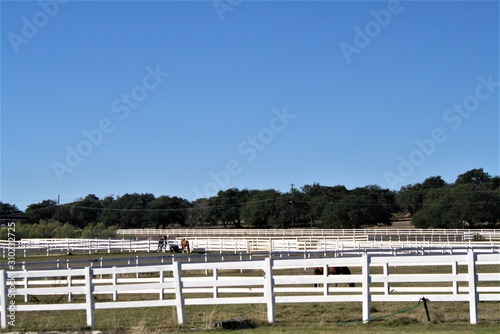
[86,211]
[199,213]
[66,230]
[296,205]
[436,211]
[472,202]
[226,206]
[367,206]
[98,230]
[411,197]
[110,214]
[127,211]
[260,211]
[318,197]
[165,211]
[474,176]
[476,207]
[8,210]
[44,210]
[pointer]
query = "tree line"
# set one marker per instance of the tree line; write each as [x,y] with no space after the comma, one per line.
[472,201]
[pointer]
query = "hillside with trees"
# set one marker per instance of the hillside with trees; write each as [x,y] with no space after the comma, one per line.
[472,201]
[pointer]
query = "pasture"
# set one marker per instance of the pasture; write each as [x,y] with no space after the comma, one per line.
[311,317]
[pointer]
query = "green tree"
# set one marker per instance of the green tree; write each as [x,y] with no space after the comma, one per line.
[412,197]
[8,210]
[165,211]
[474,176]
[86,211]
[98,230]
[472,202]
[110,214]
[226,206]
[127,211]
[44,210]
[436,211]
[367,206]
[261,210]
[318,197]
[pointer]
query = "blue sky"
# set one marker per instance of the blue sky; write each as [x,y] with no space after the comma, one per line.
[188,98]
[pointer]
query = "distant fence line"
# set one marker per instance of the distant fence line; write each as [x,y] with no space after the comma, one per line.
[465,234]
[267,281]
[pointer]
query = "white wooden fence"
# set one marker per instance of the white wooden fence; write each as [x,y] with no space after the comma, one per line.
[397,234]
[234,244]
[267,281]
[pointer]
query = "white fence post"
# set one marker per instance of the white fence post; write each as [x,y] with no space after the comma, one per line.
[179,298]
[216,277]
[365,288]
[269,289]
[387,287]
[162,280]
[325,274]
[89,296]
[473,297]
[114,278]
[25,280]
[3,297]
[69,279]
[454,271]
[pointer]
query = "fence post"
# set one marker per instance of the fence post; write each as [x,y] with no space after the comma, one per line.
[70,283]
[162,280]
[454,271]
[387,287]
[3,297]
[325,285]
[114,278]
[473,296]
[365,288]
[25,280]
[269,289]
[216,278]
[137,265]
[89,296]
[179,298]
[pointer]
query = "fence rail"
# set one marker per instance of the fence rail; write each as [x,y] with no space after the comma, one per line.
[267,281]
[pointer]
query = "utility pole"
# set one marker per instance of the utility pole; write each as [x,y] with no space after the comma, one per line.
[58,208]
[291,202]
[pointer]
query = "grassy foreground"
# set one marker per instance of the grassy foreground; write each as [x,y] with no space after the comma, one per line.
[446,317]
[290,318]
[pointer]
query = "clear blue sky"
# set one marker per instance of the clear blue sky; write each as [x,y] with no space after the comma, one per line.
[188,98]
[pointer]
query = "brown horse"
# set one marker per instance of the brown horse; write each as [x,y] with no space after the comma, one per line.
[334,271]
[185,246]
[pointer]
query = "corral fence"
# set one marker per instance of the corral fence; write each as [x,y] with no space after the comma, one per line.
[235,244]
[456,235]
[161,258]
[472,277]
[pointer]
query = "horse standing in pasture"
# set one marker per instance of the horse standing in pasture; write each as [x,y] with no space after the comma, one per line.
[334,271]
[185,246]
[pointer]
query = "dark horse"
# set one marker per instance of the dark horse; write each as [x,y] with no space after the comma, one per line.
[334,271]
[185,246]
[162,244]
